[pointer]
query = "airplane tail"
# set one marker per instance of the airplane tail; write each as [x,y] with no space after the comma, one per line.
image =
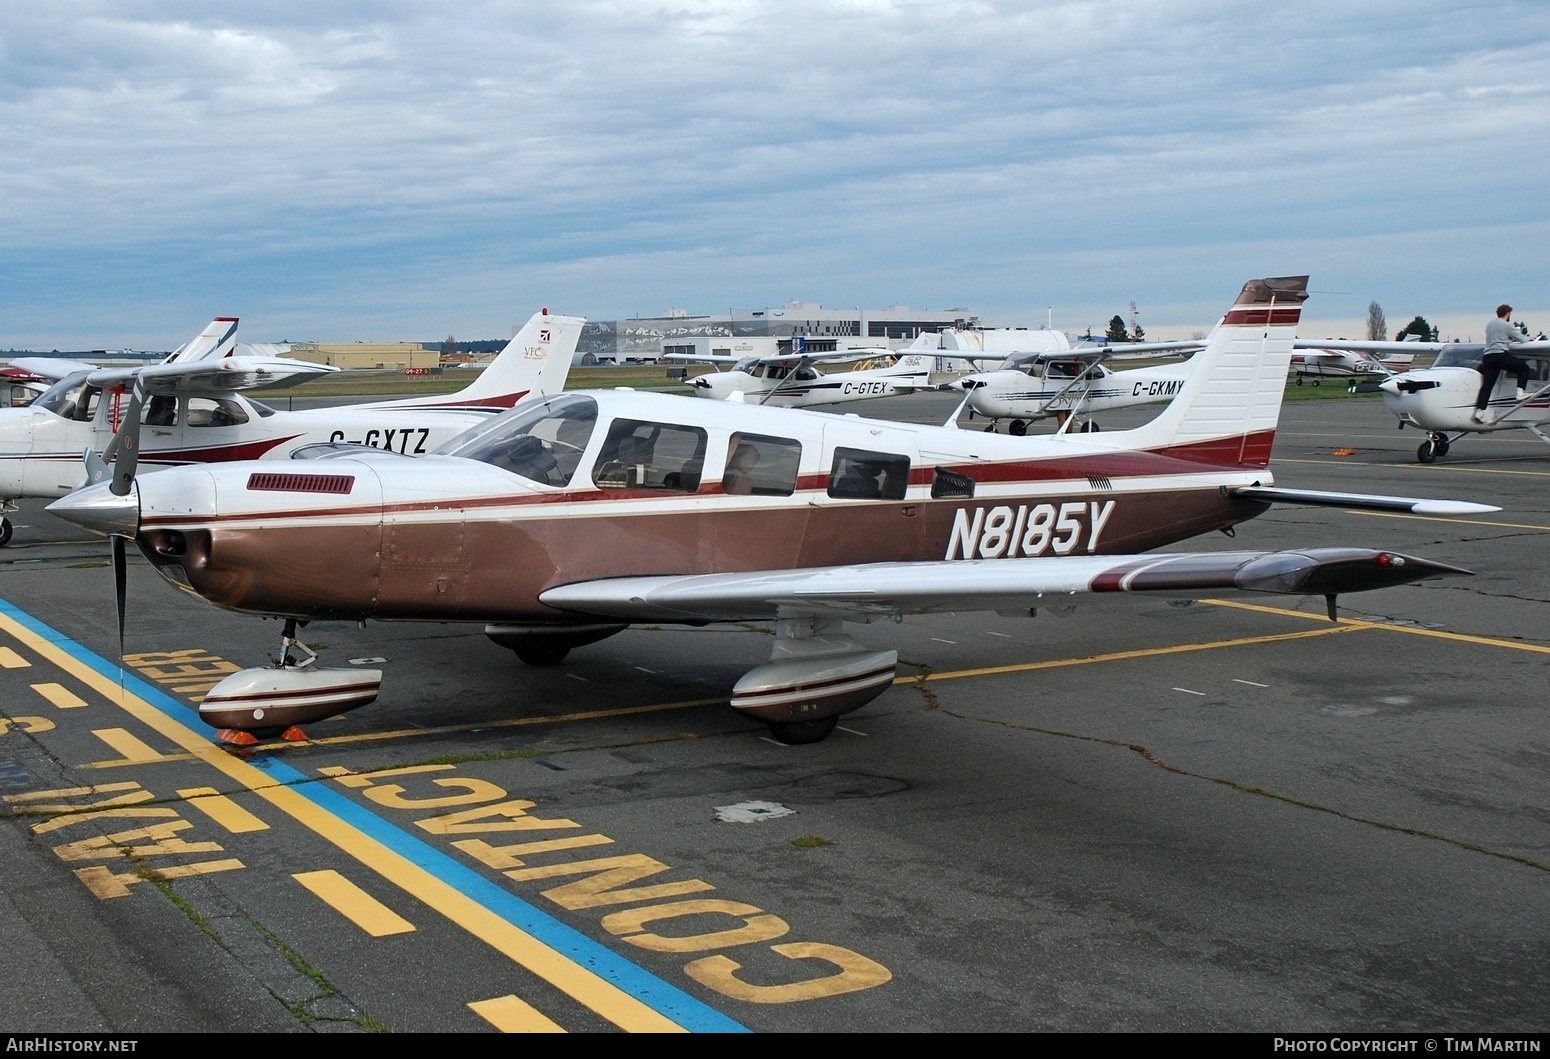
[217,340]
[1229,406]
[537,362]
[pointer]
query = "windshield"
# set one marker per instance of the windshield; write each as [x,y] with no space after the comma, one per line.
[542,442]
[70,398]
[1459,356]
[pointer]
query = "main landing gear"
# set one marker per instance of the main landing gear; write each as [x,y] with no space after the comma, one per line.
[272,701]
[5,531]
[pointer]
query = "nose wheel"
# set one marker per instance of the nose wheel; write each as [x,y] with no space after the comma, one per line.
[5,531]
[1434,446]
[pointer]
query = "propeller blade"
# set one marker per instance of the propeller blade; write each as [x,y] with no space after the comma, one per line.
[119,580]
[123,452]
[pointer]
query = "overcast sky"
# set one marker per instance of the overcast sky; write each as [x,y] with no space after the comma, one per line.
[405,170]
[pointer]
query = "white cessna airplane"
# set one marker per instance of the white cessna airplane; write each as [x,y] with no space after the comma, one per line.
[1070,384]
[191,410]
[789,380]
[1320,360]
[569,518]
[1440,399]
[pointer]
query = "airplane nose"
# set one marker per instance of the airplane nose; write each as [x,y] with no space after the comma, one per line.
[97,507]
[1390,386]
[970,384]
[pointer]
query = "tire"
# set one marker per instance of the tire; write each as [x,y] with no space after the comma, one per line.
[1017,428]
[536,654]
[1443,446]
[800,733]
[1428,452]
[5,532]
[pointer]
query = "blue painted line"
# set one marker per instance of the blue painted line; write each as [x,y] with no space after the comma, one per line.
[663,997]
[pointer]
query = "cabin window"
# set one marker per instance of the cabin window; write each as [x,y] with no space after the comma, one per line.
[542,442]
[950,485]
[641,455]
[758,465]
[161,410]
[861,475]
[214,412]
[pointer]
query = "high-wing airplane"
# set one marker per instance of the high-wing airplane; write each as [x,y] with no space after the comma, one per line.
[1070,384]
[1440,399]
[20,387]
[1320,361]
[789,380]
[191,410]
[569,518]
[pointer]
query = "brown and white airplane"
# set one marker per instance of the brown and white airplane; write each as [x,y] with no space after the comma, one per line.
[565,520]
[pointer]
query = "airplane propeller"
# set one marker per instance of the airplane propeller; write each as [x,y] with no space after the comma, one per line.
[121,456]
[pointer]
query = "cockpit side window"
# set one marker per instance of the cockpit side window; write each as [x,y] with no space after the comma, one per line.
[214,412]
[861,475]
[71,399]
[758,465]
[543,442]
[161,410]
[643,455]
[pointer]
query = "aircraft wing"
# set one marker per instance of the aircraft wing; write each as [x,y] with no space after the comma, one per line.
[213,376]
[1122,350]
[702,358]
[883,589]
[1536,348]
[51,367]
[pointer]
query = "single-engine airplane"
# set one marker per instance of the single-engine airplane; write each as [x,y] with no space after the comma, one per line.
[191,411]
[20,387]
[1071,384]
[1440,399]
[789,380]
[569,518]
[1320,360]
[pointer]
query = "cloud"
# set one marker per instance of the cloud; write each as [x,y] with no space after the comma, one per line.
[334,171]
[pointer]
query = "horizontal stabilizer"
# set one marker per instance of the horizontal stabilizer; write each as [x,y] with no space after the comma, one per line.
[1363,501]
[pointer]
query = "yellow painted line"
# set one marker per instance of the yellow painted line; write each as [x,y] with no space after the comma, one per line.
[60,696]
[1457,468]
[1410,630]
[1454,518]
[510,1014]
[583,985]
[355,904]
[222,809]
[1149,652]
[134,751]
[9,659]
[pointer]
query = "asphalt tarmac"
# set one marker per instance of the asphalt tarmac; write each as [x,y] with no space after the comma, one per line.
[1132,816]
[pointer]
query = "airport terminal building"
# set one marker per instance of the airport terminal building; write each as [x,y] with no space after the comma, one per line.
[743,331]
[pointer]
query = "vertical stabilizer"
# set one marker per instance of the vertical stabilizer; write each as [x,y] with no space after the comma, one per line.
[534,363]
[217,340]
[1228,408]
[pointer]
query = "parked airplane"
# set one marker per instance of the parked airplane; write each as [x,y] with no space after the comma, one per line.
[1322,361]
[1070,383]
[566,520]
[190,411]
[19,387]
[1440,399]
[789,380]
